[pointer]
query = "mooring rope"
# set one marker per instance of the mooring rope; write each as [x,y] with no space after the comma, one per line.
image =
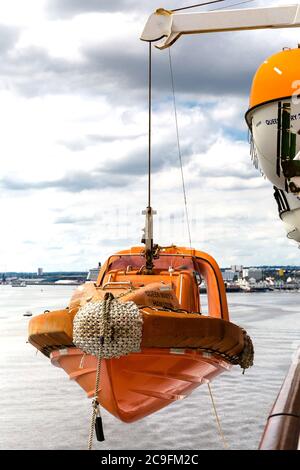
[225,445]
[179,151]
[95,404]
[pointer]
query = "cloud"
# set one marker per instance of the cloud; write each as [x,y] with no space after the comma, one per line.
[70,220]
[70,8]
[243,173]
[114,63]
[32,72]
[95,139]
[123,161]
[8,37]
[118,174]
[73,182]
[164,155]
[73,93]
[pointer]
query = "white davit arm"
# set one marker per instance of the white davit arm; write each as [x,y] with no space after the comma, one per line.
[164,24]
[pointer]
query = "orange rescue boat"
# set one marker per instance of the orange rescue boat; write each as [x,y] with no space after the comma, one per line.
[181,343]
[141,337]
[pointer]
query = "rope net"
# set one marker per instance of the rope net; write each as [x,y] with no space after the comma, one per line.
[120,326]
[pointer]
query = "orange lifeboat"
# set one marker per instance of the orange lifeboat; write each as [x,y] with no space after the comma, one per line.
[183,343]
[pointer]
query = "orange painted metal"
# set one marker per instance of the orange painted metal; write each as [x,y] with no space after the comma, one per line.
[171,364]
[140,384]
[187,293]
[275,78]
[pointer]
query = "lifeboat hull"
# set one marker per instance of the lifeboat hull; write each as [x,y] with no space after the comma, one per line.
[135,386]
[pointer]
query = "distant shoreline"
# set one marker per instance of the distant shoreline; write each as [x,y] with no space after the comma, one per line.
[229,290]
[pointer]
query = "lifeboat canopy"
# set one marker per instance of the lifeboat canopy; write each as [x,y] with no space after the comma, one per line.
[277,78]
[274,119]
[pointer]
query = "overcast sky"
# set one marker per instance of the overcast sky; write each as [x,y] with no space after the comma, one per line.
[73,137]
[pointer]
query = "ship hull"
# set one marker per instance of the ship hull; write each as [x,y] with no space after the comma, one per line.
[139,384]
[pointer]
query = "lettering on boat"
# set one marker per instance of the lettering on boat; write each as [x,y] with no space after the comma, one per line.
[154,293]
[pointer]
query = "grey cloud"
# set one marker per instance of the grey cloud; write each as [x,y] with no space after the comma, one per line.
[69,8]
[196,70]
[202,66]
[82,181]
[215,65]
[8,37]
[116,242]
[75,220]
[118,174]
[238,219]
[164,155]
[33,72]
[237,184]
[73,182]
[244,186]
[247,172]
[94,139]
[220,64]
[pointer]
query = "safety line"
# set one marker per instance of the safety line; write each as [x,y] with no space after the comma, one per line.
[179,151]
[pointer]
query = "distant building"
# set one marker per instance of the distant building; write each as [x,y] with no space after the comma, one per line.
[40,272]
[228,275]
[237,268]
[93,273]
[255,273]
[245,273]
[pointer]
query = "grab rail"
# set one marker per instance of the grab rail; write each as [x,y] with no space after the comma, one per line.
[114,284]
[282,430]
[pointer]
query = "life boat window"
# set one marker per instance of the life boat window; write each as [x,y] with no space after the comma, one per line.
[163,263]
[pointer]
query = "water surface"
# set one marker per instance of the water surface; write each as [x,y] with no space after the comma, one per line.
[42,409]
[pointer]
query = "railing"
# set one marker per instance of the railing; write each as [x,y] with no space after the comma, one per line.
[117,284]
[282,430]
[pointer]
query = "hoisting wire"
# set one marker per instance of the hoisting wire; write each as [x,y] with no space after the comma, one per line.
[225,445]
[210,3]
[179,151]
[149,212]
[149,122]
[233,5]
[198,5]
